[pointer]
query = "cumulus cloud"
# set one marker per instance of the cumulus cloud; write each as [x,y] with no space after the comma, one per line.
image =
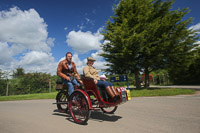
[84,41]
[195,27]
[5,53]
[23,34]
[36,58]
[99,63]
[24,29]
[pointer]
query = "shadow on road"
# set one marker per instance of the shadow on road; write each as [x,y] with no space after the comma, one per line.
[100,117]
[64,114]
[95,116]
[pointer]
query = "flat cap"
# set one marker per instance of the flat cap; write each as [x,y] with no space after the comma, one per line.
[91,58]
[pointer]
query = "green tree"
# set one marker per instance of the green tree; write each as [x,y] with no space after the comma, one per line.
[189,74]
[3,83]
[18,72]
[145,35]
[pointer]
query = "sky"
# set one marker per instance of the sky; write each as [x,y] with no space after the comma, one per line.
[36,34]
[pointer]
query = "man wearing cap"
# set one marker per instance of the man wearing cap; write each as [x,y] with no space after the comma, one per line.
[91,72]
[66,70]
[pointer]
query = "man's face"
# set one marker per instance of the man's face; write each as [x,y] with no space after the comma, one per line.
[69,57]
[90,62]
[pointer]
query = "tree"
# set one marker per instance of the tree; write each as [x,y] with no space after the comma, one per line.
[3,83]
[189,74]
[18,72]
[145,35]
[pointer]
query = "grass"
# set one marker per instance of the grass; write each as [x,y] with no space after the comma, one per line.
[134,93]
[29,96]
[160,92]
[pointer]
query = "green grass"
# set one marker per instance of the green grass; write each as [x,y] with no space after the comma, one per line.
[29,96]
[160,92]
[134,93]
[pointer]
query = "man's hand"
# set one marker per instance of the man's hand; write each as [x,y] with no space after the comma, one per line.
[67,78]
[95,81]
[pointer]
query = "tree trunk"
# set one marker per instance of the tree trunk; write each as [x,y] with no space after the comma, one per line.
[49,85]
[146,78]
[7,87]
[138,86]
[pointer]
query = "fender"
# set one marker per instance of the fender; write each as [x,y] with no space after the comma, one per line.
[86,96]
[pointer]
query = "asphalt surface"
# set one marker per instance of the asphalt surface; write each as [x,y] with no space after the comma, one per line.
[168,114]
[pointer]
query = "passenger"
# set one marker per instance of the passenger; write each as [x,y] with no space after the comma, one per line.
[67,70]
[91,72]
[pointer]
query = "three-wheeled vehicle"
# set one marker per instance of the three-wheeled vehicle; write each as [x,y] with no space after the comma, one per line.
[86,98]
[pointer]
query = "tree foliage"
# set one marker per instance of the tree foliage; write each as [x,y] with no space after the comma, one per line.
[189,74]
[26,83]
[18,72]
[146,35]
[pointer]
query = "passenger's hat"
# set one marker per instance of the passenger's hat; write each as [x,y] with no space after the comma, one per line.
[91,59]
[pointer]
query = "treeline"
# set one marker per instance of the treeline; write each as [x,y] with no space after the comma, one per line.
[19,82]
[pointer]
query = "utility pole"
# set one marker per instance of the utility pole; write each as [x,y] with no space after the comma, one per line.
[49,85]
[7,87]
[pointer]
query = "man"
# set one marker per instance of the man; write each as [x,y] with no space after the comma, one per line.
[67,70]
[91,72]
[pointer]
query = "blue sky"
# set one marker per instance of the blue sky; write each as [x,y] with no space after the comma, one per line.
[36,34]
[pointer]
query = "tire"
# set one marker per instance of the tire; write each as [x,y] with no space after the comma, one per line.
[62,96]
[79,107]
[109,110]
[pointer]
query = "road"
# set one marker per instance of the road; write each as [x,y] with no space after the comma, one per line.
[168,114]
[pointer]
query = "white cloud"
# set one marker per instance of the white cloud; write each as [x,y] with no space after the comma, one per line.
[36,58]
[65,28]
[84,41]
[99,63]
[24,29]
[36,61]
[51,68]
[5,53]
[79,64]
[24,34]
[195,27]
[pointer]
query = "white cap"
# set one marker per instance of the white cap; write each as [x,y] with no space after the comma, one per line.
[103,77]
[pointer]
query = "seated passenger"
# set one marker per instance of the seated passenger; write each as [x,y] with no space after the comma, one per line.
[91,72]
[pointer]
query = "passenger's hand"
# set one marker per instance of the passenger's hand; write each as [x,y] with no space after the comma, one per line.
[95,81]
[80,82]
[67,78]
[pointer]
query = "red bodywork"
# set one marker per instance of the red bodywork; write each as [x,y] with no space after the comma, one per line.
[91,89]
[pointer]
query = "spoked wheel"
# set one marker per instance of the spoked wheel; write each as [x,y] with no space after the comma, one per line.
[62,99]
[109,110]
[79,108]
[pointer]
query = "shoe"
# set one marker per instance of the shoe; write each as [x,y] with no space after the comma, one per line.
[113,100]
[62,111]
[118,97]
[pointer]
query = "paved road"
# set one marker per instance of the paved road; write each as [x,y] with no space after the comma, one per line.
[170,114]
